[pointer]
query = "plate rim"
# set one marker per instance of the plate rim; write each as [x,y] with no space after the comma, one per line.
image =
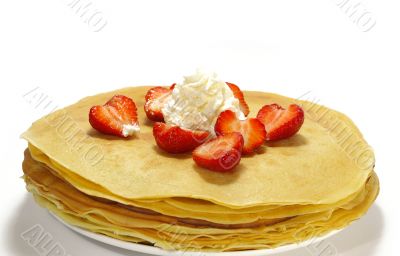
[152,250]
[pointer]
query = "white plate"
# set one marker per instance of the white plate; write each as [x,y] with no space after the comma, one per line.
[160,252]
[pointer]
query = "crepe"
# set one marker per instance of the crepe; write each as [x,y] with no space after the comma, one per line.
[319,180]
[135,225]
[136,169]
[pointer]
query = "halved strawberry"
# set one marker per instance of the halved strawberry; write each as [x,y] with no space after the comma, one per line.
[239,95]
[155,98]
[281,123]
[252,130]
[117,117]
[220,154]
[174,139]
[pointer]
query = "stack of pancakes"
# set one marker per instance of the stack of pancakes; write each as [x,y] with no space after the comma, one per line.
[290,191]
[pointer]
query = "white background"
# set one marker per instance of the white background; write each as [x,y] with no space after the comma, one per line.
[287,47]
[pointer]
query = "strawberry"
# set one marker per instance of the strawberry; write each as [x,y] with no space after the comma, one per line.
[281,123]
[220,154]
[173,139]
[252,130]
[117,117]
[172,86]
[155,98]
[239,95]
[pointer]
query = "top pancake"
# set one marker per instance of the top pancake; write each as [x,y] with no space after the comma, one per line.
[328,160]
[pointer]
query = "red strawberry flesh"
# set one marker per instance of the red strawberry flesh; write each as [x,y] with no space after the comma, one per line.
[155,99]
[174,139]
[221,154]
[252,130]
[239,95]
[117,117]
[281,123]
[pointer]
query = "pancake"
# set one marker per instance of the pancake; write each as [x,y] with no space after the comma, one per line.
[228,218]
[43,179]
[317,181]
[309,168]
[118,222]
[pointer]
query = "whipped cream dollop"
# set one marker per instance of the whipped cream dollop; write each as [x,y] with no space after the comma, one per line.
[196,102]
[130,129]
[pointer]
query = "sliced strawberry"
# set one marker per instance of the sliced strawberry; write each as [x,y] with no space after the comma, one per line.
[155,98]
[281,123]
[252,130]
[117,117]
[174,139]
[220,154]
[172,86]
[239,95]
